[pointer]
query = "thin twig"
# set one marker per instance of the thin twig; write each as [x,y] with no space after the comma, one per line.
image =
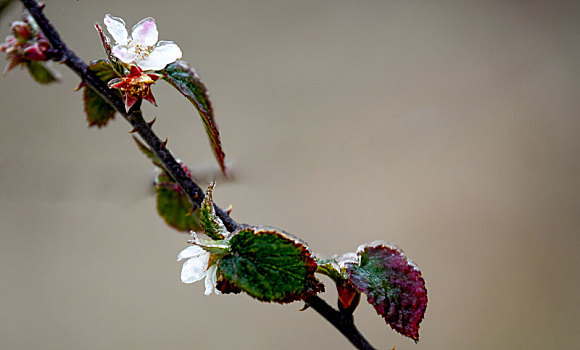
[344,322]
[341,321]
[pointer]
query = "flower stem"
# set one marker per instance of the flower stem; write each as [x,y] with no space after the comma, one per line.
[343,322]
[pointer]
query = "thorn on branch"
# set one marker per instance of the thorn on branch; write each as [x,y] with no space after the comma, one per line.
[82,84]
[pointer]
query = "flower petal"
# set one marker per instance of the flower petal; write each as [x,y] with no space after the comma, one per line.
[130,100]
[194,269]
[116,83]
[123,53]
[164,53]
[145,32]
[15,61]
[150,98]
[116,26]
[210,280]
[190,252]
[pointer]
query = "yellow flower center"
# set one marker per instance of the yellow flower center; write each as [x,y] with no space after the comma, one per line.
[142,51]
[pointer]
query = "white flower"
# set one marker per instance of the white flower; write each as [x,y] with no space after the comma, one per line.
[195,268]
[140,48]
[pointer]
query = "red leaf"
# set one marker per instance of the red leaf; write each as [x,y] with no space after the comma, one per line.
[393,285]
[186,80]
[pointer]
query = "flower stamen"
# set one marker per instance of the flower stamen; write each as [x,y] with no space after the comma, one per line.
[135,86]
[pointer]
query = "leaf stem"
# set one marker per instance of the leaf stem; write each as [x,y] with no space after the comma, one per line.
[343,322]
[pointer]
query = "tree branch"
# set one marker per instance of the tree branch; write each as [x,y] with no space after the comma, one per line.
[342,321]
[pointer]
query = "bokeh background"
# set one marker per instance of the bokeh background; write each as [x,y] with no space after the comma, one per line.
[450,128]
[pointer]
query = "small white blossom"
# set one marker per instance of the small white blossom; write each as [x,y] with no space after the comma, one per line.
[141,48]
[195,268]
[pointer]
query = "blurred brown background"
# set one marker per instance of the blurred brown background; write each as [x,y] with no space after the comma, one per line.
[449,128]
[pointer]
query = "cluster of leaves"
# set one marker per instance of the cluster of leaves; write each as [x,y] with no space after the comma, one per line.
[273,266]
[179,74]
[172,203]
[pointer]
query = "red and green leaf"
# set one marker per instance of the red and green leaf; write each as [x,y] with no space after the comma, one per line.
[393,285]
[269,265]
[212,224]
[174,206]
[97,109]
[185,80]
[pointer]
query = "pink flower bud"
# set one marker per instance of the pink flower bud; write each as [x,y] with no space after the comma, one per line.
[9,45]
[21,31]
[34,53]
[43,44]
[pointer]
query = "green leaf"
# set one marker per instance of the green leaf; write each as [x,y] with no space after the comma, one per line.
[393,285]
[103,70]
[99,111]
[335,266]
[269,265]
[41,73]
[212,224]
[173,205]
[149,153]
[186,80]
